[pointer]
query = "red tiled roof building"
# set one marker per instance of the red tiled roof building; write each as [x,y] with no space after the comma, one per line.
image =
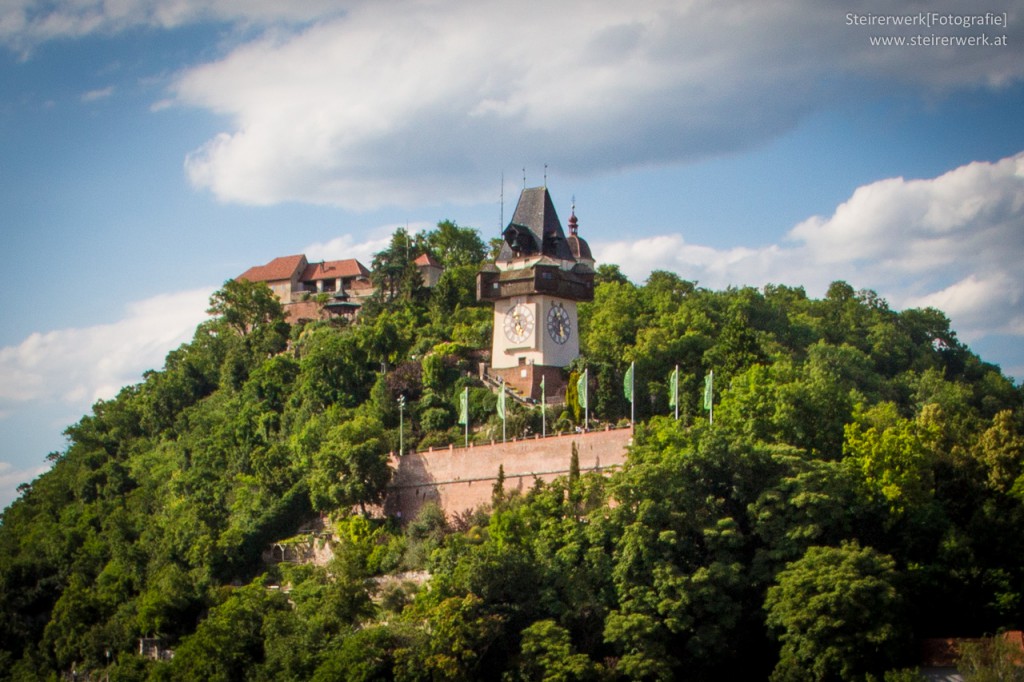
[297,283]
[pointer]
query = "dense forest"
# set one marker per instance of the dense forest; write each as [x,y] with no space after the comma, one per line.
[860,488]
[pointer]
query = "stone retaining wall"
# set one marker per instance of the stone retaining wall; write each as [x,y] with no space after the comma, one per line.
[460,479]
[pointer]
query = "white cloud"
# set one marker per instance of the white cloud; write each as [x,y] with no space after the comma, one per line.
[346,246]
[80,366]
[981,303]
[362,104]
[50,379]
[953,242]
[101,93]
[418,101]
[26,23]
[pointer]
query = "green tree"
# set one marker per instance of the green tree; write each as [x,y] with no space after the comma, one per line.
[230,639]
[574,476]
[494,245]
[678,572]
[813,502]
[366,655]
[611,322]
[609,272]
[739,341]
[816,404]
[1002,451]
[247,307]
[394,274]
[170,598]
[333,369]
[455,246]
[548,655]
[836,614]
[351,467]
[893,459]
[454,290]
[432,375]
[461,632]
[498,489]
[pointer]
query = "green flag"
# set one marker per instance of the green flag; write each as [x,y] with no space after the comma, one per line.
[708,389]
[544,409]
[627,383]
[464,407]
[673,388]
[581,389]
[501,401]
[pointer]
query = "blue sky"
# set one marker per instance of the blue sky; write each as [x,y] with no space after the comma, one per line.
[151,149]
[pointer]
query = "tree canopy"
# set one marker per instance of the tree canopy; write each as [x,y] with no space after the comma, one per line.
[861,487]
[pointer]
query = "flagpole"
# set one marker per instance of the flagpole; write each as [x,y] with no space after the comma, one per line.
[465,402]
[543,410]
[401,425]
[502,399]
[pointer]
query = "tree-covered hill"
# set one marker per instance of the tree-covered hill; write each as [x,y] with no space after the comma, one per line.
[860,488]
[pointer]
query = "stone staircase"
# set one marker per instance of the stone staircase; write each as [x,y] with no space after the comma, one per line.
[494,383]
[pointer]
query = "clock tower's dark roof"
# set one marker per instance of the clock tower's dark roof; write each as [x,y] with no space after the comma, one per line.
[537,258]
[535,228]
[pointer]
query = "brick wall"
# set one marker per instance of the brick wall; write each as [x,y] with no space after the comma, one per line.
[304,310]
[459,479]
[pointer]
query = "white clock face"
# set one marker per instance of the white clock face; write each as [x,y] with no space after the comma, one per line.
[559,324]
[518,323]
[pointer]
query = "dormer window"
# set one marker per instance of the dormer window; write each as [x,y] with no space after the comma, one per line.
[520,239]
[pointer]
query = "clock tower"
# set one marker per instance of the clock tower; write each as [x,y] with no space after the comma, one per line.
[535,283]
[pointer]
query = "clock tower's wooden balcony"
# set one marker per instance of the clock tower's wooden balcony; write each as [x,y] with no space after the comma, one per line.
[551,280]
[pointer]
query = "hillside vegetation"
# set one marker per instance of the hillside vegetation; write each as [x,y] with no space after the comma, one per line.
[860,488]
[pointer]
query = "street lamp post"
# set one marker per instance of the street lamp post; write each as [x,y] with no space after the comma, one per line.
[401,425]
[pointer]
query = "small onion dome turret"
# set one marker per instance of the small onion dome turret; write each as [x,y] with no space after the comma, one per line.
[579,247]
